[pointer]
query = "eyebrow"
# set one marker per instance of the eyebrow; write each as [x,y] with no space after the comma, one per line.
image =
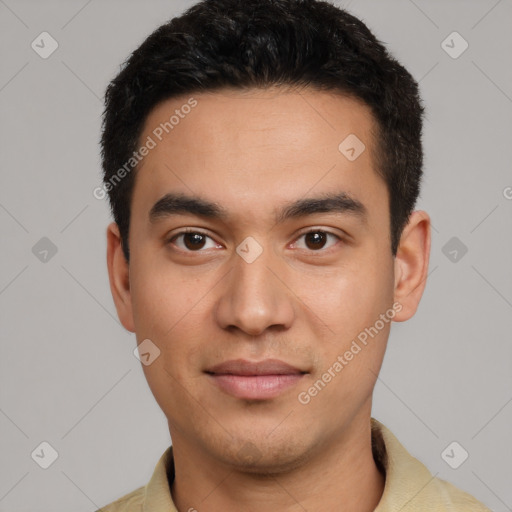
[176,204]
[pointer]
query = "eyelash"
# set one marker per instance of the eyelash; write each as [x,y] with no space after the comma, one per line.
[311,230]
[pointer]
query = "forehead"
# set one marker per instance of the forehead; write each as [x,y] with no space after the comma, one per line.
[257,148]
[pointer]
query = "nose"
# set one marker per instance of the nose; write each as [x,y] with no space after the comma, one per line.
[254,299]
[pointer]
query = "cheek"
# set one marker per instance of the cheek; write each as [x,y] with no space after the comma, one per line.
[163,298]
[350,297]
[174,311]
[174,324]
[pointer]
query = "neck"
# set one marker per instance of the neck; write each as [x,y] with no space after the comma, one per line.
[342,476]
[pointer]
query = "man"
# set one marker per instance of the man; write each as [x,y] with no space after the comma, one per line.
[263,159]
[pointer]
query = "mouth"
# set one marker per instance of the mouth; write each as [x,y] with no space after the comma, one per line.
[260,380]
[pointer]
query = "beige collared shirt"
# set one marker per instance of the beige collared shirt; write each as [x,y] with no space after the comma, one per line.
[409,487]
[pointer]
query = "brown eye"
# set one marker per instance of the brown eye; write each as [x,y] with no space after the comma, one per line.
[193,241]
[316,240]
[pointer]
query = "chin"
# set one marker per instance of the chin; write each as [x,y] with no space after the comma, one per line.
[266,457]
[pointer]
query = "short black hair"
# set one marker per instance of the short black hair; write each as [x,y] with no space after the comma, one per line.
[246,44]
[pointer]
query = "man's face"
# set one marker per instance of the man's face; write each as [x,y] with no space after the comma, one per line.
[249,284]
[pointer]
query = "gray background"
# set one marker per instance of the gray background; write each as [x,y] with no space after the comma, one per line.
[68,373]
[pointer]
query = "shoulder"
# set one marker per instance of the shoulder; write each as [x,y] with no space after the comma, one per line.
[453,498]
[152,497]
[131,502]
[410,486]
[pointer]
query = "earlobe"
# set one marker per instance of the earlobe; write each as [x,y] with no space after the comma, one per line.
[119,277]
[411,264]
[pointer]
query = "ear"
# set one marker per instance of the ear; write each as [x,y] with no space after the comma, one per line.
[119,277]
[411,264]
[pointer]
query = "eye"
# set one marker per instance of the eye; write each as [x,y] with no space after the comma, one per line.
[316,240]
[193,241]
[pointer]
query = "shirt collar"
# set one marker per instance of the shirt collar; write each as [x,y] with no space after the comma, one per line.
[406,477]
[157,496]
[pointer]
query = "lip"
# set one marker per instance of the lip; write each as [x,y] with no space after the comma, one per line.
[255,380]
